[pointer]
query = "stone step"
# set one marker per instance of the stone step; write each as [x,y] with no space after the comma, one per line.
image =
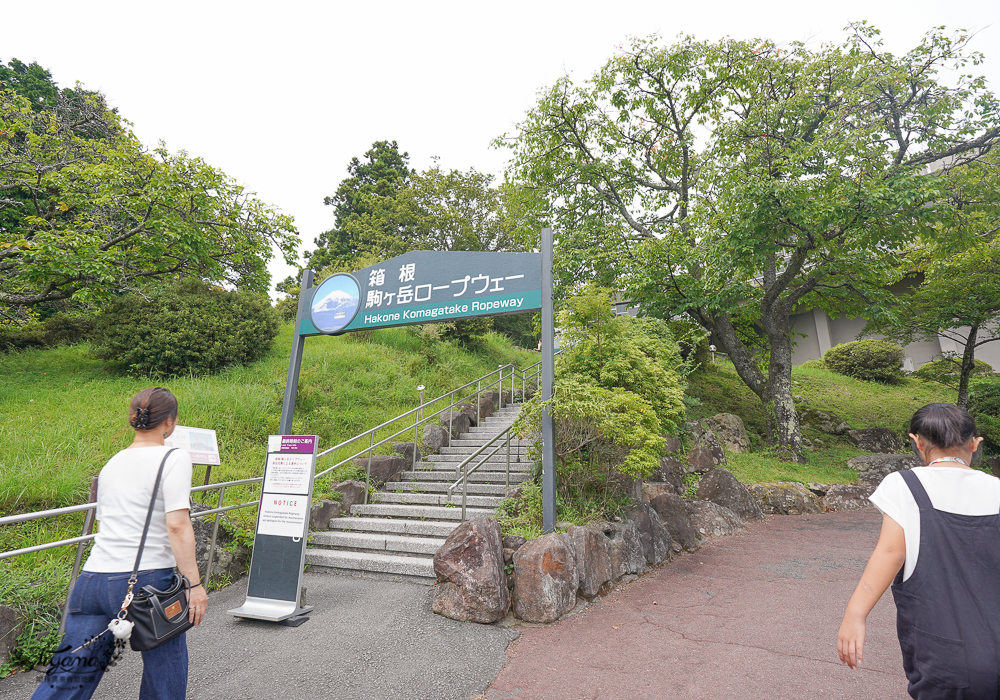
[416,528]
[467,450]
[377,542]
[500,457]
[501,467]
[394,510]
[478,443]
[482,430]
[478,476]
[437,499]
[393,567]
[477,489]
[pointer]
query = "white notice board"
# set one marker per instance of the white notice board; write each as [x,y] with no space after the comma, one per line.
[283,515]
[200,443]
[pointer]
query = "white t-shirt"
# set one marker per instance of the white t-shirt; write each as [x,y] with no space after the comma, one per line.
[951,489]
[124,488]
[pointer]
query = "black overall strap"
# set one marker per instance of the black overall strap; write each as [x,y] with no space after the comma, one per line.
[149,514]
[917,489]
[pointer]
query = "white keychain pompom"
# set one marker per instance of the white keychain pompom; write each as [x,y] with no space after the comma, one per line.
[121,629]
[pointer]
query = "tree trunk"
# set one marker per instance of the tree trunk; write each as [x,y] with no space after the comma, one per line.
[780,406]
[968,364]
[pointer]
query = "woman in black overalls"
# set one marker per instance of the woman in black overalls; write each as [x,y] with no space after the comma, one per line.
[948,603]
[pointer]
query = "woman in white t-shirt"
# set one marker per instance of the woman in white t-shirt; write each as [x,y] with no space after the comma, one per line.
[124,491]
[940,548]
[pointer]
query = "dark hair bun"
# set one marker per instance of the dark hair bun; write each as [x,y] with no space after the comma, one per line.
[944,425]
[151,408]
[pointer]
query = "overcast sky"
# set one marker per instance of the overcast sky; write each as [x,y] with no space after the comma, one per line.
[281,95]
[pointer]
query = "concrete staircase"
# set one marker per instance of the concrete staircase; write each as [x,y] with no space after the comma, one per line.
[396,535]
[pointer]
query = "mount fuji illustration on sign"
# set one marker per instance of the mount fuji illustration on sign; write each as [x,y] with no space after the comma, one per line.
[335,303]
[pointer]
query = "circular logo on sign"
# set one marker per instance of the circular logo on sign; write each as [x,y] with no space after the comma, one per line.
[335,303]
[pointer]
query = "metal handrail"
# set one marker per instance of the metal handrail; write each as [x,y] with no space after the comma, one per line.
[464,479]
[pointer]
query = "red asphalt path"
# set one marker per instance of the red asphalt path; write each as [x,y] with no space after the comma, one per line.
[750,616]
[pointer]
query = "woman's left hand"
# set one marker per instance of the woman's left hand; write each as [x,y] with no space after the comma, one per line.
[197,604]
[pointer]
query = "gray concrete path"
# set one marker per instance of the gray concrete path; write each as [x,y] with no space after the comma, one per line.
[365,639]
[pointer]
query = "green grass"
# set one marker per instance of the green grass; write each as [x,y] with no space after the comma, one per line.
[63,414]
[718,389]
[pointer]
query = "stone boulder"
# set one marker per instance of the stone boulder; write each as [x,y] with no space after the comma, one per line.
[721,487]
[841,497]
[472,584]
[657,544]
[406,450]
[786,498]
[992,464]
[486,408]
[729,430]
[434,437]
[625,550]
[514,542]
[458,421]
[673,445]
[701,460]
[652,489]
[818,489]
[547,579]
[469,409]
[593,563]
[874,468]
[352,493]
[671,471]
[322,513]
[11,624]
[880,440]
[676,518]
[231,559]
[712,520]
[706,439]
[383,468]
[823,421]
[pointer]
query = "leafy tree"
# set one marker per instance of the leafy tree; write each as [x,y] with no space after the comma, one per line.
[735,182]
[369,190]
[86,212]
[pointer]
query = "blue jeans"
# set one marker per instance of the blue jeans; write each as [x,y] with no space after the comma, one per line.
[96,598]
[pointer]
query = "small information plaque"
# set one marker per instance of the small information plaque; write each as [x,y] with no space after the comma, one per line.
[200,443]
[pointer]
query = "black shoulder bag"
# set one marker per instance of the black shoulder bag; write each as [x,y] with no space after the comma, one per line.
[158,616]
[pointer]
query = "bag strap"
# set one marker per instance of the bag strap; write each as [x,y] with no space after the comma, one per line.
[134,578]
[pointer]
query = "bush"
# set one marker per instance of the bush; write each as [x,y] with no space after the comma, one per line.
[813,364]
[189,328]
[868,360]
[947,370]
[984,405]
[58,329]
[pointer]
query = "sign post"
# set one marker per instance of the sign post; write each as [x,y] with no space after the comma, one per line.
[548,376]
[274,588]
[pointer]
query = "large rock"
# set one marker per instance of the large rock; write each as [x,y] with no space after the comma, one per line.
[673,445]
[730,431]
[671,471]
[721,487]
[823,421]
[874,468]
[322,513]
[11,624]
[708,440]
[472,584]
[701,460]
[352,493]
[383,468]
[676,518]
[469,409]
[593,563]
[876,440]
[434,437]
[843,497]
[786,498]
[458,421]
[656,541]
[625,549]
[652,489]
[231,560]
[547,579]
[406,450]
[712,520]
[993,465]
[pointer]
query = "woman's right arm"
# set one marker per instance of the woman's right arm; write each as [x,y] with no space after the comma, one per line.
[884,564]
[181,535]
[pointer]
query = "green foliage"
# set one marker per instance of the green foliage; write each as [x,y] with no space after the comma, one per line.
[984,405]
[520,328]
[58,329]
[814,364]
[869,360]
[946,371]
[523,515]
[467,332]
[87,212]
[35,645]
[191,328]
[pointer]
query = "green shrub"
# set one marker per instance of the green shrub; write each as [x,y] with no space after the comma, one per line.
[868,360]
[190,328]
[947,370]
[14,338]
[66,329]
[813,364]
[984,405]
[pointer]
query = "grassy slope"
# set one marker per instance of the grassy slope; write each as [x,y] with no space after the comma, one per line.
[62,414]
[860,404]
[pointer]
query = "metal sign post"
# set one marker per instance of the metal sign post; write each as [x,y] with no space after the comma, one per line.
[548,375]
[279,546]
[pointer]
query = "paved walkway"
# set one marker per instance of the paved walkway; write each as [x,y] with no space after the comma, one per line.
[747,617]
[751,616]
